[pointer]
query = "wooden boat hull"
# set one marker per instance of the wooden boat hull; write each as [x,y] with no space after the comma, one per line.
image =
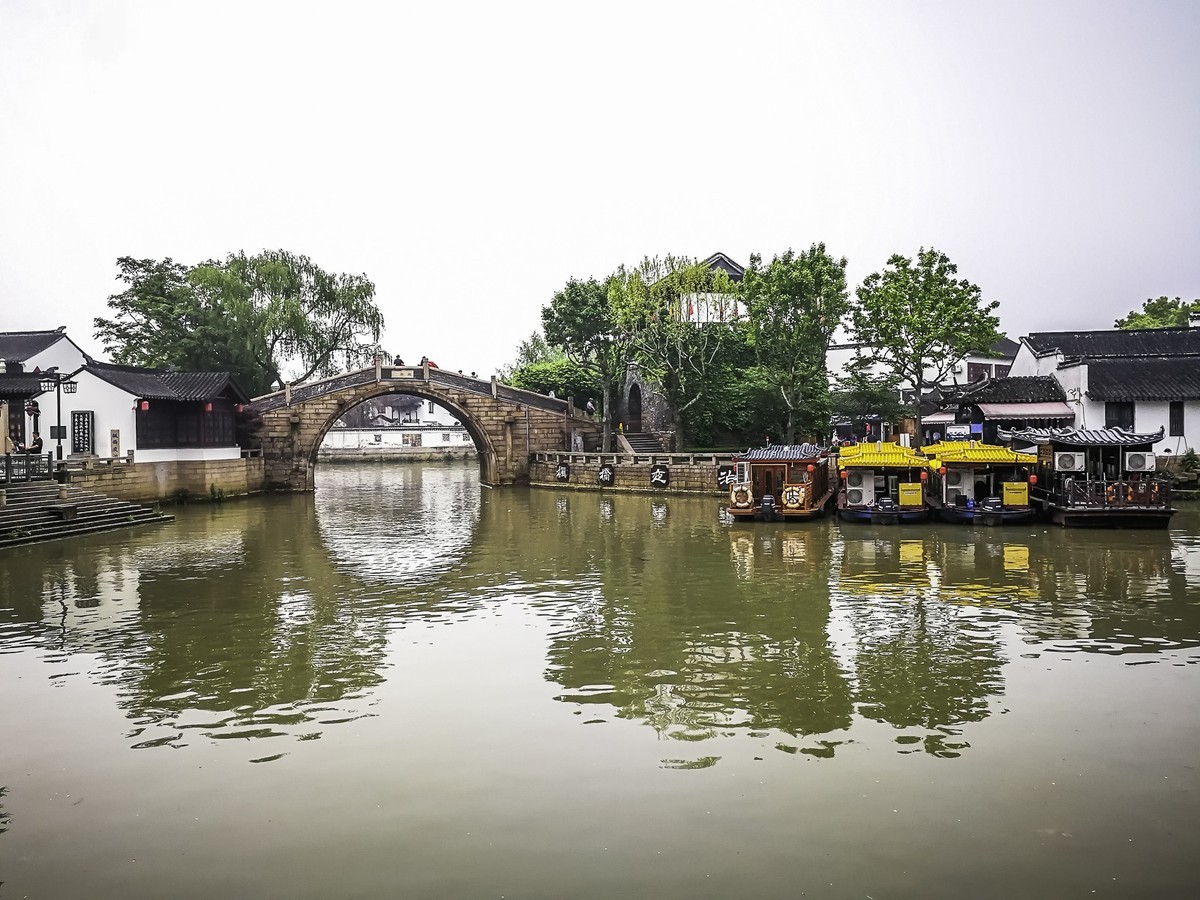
[869,516]
[780,513]
[1125,517]
[990,518]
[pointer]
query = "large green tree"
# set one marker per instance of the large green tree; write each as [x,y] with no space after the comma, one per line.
[861,392]
[920,321]
[676,314]
[794,305]
[580,319]
[1160,312]
[160,320]
[271,317]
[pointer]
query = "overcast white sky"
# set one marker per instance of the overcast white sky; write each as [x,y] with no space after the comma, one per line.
[469,158]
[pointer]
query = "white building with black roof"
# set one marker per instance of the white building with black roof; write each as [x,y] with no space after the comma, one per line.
[1141,380]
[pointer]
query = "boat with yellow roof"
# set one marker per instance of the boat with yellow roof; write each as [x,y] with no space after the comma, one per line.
[882,483]
[977,483]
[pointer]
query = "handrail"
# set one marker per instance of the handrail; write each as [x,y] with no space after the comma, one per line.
[583,458]
[19,467]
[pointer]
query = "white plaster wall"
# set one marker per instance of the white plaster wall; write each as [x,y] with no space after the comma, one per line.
[188,454]
[112,406]
[1152,415]
[364,438]
[1029,363]
[62,353]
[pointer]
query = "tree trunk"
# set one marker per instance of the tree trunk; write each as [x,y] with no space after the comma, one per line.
[790,435]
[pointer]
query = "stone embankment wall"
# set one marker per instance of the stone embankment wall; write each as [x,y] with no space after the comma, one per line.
[358,455]
[147,482]
[689,474]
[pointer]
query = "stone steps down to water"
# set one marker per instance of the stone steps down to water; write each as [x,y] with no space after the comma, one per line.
[44,511]
[643,442]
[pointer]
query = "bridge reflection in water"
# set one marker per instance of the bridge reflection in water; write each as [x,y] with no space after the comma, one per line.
[572,644]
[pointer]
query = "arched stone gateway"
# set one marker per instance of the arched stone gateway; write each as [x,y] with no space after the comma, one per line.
[507,424]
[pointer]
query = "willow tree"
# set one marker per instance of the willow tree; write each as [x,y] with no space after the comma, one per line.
[920,321]
[676,315]
[794,305]
[295,319]
[580,319]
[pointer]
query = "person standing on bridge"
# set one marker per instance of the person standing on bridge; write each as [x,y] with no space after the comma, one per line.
[591,407]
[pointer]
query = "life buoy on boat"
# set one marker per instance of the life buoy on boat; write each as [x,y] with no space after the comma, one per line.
[740,498]
[793,497]
[1110,493]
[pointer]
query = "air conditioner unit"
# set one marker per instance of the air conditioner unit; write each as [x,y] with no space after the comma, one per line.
[855,479]
[952,495]
[954,477]
[1140,462]
[854,496]
[1070,461]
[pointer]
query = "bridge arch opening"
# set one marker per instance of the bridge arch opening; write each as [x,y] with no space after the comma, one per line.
[486,450]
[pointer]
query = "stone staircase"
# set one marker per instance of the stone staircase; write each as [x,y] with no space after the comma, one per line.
[44,511]
[643,442]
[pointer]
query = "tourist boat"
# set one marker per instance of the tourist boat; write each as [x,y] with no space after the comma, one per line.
[782,481]
[882,483]
[1097,478]
[978,483]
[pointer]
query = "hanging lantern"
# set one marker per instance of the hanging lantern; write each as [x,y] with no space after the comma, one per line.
[811,467]
[1033,479]
[208,406]
[924,475]
[843,474]
[144,405]
[241,407]
[941,470]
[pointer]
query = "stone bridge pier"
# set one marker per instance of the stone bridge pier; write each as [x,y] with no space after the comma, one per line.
[507,425]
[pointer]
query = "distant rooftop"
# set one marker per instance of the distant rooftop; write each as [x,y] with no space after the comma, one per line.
[20,345]
[1117,342]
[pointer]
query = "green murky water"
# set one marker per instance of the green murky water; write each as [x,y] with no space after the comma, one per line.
[412,686]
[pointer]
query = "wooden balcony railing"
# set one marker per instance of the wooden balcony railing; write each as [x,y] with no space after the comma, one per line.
[1154,492]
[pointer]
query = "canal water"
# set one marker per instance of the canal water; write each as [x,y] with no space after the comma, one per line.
[408,685]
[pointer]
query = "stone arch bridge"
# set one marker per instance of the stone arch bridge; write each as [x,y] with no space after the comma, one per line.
[507,424]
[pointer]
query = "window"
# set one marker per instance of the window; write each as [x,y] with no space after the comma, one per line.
[978,371]
[1118,414]
[445,437]
[1176,417]
[378,438]
[410,440]
[1002,371]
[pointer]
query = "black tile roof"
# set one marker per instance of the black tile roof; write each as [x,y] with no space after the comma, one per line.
[161,384]
[1005,347]
[1080,437]
[782,452]
[1144,379]
[22,384]
[20,345]
[720,261]
[1117,342]
[1014,389]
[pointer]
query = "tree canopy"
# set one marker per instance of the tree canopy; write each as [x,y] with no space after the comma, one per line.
[794,305]
[1160,312]
[920,320]
[271,317]
[676,315]
[580,319]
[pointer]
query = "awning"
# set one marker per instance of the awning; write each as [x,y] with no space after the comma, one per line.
[1053,410]
[938,418]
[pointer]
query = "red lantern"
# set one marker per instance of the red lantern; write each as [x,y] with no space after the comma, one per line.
[1033,479]
[208,406]
[924,475]
[811,467]
[241,407]
[941,470]
[144,405]
[843,474]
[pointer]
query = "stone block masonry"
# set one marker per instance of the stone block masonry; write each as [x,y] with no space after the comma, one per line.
[148,482]
[689,474]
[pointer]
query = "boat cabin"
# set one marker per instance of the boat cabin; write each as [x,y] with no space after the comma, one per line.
[882,483]
[783,481]
[976,482]
[1099,477]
